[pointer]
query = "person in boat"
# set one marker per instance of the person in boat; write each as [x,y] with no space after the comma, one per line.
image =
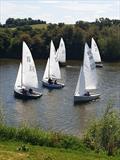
[55,82]
[50,81]
[24,91]
[30,91]
[87,94]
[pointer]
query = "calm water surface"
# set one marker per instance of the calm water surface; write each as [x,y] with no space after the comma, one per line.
[55,110]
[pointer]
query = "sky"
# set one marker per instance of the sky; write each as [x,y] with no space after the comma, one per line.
[56,11]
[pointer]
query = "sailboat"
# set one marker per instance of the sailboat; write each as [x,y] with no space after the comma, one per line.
[26,80]
[87,80]
[52,71]
[61,53]
[96,53]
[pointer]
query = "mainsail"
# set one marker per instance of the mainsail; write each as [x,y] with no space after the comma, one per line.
[95,51]
[61,52]
[52,69]
[29,75]
[89,69]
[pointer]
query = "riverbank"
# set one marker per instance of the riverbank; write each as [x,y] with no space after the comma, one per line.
[34,144]
[13,150]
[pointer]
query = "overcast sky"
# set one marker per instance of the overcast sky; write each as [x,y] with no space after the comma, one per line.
[56,11]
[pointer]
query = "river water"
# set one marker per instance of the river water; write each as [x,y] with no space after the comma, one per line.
[55,110]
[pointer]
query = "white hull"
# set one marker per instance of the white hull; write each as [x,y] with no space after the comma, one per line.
[78,98]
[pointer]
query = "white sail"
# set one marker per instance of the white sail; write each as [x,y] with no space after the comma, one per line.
[54,69]
[46,73]
[18,79]
[61,52]
[29,75]
[80,88]
[95,51]
[89,69]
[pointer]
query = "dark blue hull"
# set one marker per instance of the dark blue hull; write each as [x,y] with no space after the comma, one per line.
[18,94]
[53,86]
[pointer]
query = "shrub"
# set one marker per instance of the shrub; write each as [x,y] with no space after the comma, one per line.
[104,133]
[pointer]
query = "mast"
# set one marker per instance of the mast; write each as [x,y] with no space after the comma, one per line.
[22,68]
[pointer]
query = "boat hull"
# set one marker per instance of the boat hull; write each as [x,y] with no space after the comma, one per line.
[99,65]
[53,85]
[86,98]
[18,94]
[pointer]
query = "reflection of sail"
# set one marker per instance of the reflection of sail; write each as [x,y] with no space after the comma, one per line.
[26,113]
[64,74]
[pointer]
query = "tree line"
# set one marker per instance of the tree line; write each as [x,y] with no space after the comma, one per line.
[106,32]
[12,22]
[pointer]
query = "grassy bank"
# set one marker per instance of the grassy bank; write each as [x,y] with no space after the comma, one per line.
[34,144]
[35,136]
[9,150]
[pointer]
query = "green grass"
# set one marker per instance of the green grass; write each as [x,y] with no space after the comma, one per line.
[34,144]
[9,151]
[39,26]
[35,136]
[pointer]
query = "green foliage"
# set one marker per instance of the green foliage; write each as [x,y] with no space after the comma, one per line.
[105,133]
[106,33]
[36,136]
[11,22]
[34,152]
[23,148]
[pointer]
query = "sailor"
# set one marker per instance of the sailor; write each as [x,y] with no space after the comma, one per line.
[30,91]
[87,94]
[24,91]
[50,81]
[55,82]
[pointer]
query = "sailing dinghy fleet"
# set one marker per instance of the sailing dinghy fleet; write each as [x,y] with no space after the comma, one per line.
[27,81]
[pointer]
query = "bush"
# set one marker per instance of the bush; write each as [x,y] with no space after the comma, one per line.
[105,133]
